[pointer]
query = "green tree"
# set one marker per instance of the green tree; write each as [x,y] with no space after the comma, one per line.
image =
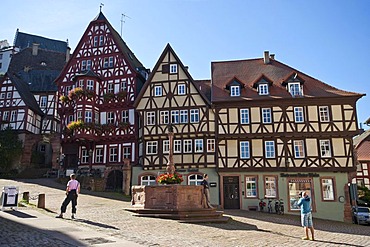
[10,148]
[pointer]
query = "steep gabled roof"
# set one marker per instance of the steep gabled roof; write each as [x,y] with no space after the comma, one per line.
[25,40]
[25,93]
[167,49]
[250,70]
[38,71]
[362,146]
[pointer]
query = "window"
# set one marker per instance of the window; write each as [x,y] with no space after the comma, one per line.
[90,85]
[244,116]
[110,117]
[2,96]
[68,88]
[173,68]
[181,89]
[126,153]
[183,116]
[270,187]
[166,146]
[235,91]
[148,180]
[106,62]
[9,95]
[123,85]
[295,89]
[177,146]
[150,118]
[96,38]
[43,101]
[325,148]
[125,116]
[295,186]
[211,145]
[195,179]
[79,115]
[83,65]
[270,149]
[70,119]
[151,147]
[158,91]
[81,83]
[111,62]
[298,114]
[88,116]
[244,150]
[13,116]
[175,117]
[113,154]
[88,66]
[251,186]
[263,89]
[324,113]
[101,40]
[187,146]
[198,145]
[84,156]
[327,189]
[110,87]
[298,149]
[164,117]
[266,115]
[99,155]
[194,116]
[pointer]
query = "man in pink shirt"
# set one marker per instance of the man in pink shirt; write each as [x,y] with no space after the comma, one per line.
[72,191]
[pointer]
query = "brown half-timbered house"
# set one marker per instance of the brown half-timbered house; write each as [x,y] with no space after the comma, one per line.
[171,101]
[280,131]
[362,146]
[97,88]
[28,96]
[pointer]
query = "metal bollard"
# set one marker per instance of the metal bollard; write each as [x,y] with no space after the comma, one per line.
[41,201]
[26,197]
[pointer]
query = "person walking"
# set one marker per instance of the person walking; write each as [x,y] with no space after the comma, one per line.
[207,195]
[72,191]
[306,214]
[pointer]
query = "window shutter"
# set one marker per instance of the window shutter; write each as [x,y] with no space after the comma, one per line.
[165,68]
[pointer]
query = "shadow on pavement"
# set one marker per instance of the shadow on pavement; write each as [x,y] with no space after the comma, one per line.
[89,222]
[20,214]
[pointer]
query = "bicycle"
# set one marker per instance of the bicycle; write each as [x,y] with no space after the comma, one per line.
[262,204]
[269,206]
[279,206]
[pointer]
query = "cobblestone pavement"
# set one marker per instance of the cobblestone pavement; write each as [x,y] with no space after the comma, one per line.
[104,213]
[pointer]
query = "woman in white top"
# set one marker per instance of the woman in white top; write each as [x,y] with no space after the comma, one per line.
[72,191]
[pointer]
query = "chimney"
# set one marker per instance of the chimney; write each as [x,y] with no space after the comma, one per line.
[272,56]
[35,48]
[68,53]
[266,58]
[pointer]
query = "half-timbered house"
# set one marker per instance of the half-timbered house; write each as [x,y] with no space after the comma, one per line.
[97,88]
[280,131]
[28,96]
[362,146]
[171,101]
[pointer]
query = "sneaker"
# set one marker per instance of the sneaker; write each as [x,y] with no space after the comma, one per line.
[305,238]
[59,216]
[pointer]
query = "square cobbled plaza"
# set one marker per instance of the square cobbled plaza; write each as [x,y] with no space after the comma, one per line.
[102,220]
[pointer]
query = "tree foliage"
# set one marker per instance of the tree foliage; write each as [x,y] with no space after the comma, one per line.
[10,148]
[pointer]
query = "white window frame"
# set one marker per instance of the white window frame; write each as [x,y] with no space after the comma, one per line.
[150,118]
[84,156]
[125,116]
[111,62]
[198,145]
[244,150]
[188,146]
[126,152]
[295,89]
[194,115]
[101,40]
[251,186]
[83,65]
[298,148]
[298,114]
[96,41]
[157,91]
[88,116]
[164,117]
[270,186]
[263,89]
[183,116]
[148,180]
[181,89]
[327,189]
[175,116]
[99,155]
[266,115]
[110,117]
[166,146]
[43,101]
[211,145]
[234,91]
[195,179]
[151,147]
[173,68]
[88,64]
[244,116]
[13,116]
[90,85]
[324,114]
[110,87]
[270,149]
[325,149]
[113,154]
[177,146]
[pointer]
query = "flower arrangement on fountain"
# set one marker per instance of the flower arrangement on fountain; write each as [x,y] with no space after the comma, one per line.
[167,178]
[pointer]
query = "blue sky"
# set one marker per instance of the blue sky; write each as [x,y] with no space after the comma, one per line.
[329,40]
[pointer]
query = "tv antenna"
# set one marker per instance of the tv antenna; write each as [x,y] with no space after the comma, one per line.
[123,20]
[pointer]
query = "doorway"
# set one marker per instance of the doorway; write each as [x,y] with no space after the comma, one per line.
[231,192]
[114,181]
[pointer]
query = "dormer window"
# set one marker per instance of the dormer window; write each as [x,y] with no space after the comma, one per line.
[234,90]
[295,89]
[263,89]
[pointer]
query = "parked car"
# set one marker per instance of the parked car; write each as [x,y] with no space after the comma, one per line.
[361,215]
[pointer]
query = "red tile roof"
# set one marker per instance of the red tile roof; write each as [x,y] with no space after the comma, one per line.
[249,71]
[363,151]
